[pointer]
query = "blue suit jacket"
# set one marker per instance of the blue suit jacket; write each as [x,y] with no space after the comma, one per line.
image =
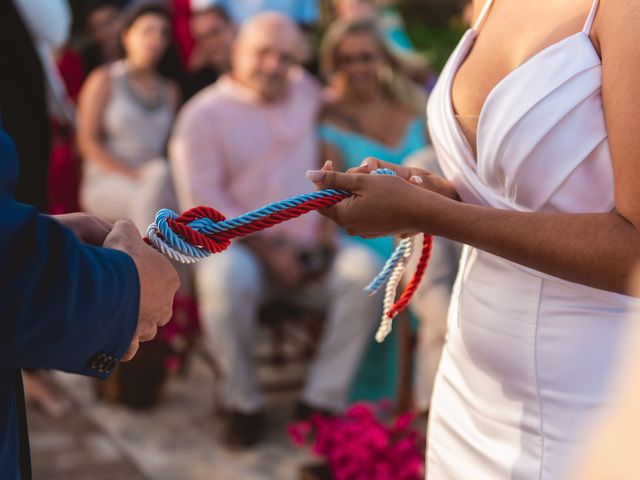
[63,305]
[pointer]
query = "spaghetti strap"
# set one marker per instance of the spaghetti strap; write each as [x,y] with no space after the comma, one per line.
[483,14]
[592,15]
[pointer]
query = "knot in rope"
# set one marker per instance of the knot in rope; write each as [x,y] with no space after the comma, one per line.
[203,231]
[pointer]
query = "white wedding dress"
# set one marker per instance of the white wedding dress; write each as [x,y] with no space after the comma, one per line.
[528,356]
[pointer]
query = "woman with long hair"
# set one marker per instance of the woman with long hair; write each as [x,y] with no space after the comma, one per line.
[367,82]
[125,113]
[533,120]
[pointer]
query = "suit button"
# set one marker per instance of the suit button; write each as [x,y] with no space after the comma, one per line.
[102,362]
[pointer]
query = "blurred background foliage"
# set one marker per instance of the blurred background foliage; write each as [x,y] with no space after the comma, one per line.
[435,26]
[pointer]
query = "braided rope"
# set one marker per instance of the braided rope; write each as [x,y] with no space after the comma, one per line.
[203,231]
[385,274]
[414,283]
[405,248]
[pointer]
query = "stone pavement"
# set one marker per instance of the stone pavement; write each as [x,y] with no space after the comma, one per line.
[74,448]
[175,441]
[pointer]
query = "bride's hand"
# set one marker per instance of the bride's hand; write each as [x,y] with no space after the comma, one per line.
[417,176]
[381,205]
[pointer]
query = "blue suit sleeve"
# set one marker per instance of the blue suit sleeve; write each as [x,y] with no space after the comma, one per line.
[63,304]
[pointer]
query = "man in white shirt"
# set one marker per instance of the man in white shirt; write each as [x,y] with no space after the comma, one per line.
[242,143]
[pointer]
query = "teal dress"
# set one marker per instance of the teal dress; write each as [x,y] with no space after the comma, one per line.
[376,378]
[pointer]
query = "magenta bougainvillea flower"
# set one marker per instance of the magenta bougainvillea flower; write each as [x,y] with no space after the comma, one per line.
[360,446]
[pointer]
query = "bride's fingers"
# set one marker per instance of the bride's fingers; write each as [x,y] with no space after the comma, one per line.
[435,184]
[373,163]
[328,166]
[360,169]
[426,180]
[400,170]
[416,180]
[335,180]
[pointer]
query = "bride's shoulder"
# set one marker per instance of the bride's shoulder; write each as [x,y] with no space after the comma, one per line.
[618,22]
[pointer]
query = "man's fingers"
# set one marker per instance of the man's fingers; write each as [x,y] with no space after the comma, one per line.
[122,230]
[149,335]
[88,228]
[126,227]
[166,319]
[97,233]
[131,352]
[107,225]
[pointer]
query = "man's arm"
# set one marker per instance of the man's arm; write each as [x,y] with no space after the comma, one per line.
[65,305]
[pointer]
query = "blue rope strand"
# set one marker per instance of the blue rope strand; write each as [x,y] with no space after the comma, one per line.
[383,277]
[178,247]
[206,226]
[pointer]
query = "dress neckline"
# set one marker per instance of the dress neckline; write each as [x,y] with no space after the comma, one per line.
[470,36]
[401,144]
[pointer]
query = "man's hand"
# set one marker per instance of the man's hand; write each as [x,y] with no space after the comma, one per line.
[88,228]
[158,282]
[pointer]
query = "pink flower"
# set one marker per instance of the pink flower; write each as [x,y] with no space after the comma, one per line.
[404,421]
[299,433]
[172,363]
[359,446]
[360,411]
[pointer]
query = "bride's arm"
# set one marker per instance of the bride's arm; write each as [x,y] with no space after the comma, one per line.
[599,250]
[593,249]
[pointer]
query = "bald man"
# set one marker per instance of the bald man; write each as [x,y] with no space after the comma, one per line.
[242,143]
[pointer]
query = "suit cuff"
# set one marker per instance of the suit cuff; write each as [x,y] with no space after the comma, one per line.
[103,362]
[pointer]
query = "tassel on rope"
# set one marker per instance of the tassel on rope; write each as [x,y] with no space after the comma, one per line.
[203,231]
[404,250]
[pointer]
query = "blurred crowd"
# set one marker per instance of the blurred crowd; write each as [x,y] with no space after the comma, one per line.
[133,106]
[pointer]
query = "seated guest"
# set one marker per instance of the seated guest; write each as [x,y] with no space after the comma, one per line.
[213,32]
[368,84]
[101,23]
[239,144]
[390,21]
[125,114]
[392,29]
[305,13]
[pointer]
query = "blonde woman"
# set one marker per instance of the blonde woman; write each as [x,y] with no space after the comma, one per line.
[368,83]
